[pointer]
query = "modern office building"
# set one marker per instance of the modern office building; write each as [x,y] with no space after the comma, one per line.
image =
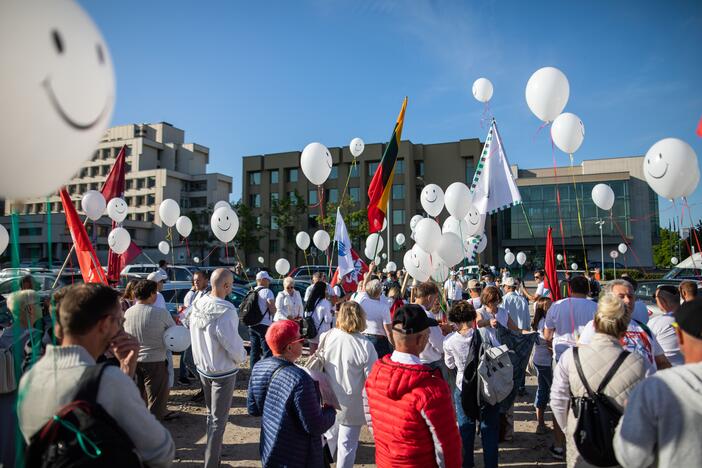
[268,178]
[159,165]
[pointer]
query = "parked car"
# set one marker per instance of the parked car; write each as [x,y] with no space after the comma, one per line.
[277,285]
[647,288]
[306,271]
[690,268]
[14,272]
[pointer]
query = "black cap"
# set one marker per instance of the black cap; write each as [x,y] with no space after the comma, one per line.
[689,318]
[411,319]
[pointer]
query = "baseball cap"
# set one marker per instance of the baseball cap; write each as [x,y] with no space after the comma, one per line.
[263,275]
[156,276]
[509,281]
[411,319]
[281,334]
[689,318]
[473,284]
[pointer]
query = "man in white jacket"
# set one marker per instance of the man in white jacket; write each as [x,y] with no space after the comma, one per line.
[217,351]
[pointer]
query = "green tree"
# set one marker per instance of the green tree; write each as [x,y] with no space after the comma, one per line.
[356,220]
[285,215]
[249,234]
[666,248]
[199,239]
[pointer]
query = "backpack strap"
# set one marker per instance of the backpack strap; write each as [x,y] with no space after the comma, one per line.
[581,374]
[89,382]
[612,370]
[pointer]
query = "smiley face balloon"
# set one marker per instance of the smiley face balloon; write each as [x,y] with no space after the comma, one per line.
[356,147]
[316,162]
[117,210]
[57,92]
[432,199]
[475,222]
[224,224]
[671,169]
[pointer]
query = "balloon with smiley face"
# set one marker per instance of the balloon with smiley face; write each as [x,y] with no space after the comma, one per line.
[119,240]
[316,162]
[475,221]
[117,209]
[432,199]
[57,92]
[417,263]
[224,224]
[356,147]
[671,169]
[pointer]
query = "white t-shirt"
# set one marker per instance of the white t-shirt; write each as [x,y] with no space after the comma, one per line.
[265,295]
[567,318]
[662,328]
[434,350]
[476,302]
[454,290]
[287,305]
[542,290]
[160,302]
[542,355]
[502,317]
[456,347]
[377,315]
[323,318]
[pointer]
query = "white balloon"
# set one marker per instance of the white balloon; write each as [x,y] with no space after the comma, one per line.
[316,162]
[164,248]
[117,209]
[391,266]
[302,239]
[450,249]
[417,263]
[603,196]
[385,224]
[623,248]
[507,251]
[400,239]
[384,256]
[568,132]
[369,253]
[413,222]
[547,93]
[521,258]
[456,226]
[321,239]
[509,258]
[169,211]
[119,240]
[482,89]
[220,204]
[458,199]
[475,221]
[374,243]
[196,259]
[559,257]
[674,260]
[4,239]
[184,226]
[356,147]
[573,266]
[439,269]
[260,260]
[224,224]
[427,234]
[93,204]
[481,244]
[177,338]
[57,90]
[282,266]
[432,199]
[614,254]
[377,259]
[671,169]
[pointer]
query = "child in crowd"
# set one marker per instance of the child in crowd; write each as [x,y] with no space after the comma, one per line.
[542,361]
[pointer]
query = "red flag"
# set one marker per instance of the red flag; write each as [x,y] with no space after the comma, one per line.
[699,129]
[90,266]
[550,261]
[349,283]
[114,184]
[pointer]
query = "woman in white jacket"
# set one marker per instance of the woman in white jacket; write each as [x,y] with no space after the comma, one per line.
[348,359]
[288,302]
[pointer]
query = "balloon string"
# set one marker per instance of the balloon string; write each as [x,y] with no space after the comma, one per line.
[348,178]
[226,252]
[208,255]
[692,224]
[580,220]
[187,247]
[487,114]
[538,130]
[624,239]
[558,204]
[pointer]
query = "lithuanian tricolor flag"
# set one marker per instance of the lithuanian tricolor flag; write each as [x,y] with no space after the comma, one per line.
[381,185]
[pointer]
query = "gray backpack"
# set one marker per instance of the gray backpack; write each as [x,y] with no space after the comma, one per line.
[495,371]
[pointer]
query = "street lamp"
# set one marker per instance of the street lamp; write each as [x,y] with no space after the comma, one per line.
[600,223]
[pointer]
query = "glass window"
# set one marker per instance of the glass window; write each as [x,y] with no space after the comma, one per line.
[355,194]
[292,175]
[254,178]
[274,223]
[274,197]
[398,216]
[419,168]
[354,170]
[333,195]
[334,174]
[399,166]
[398,192]
[470,171]
[313,199]
[273,246]
[274,176]
[255,200]
[372,167]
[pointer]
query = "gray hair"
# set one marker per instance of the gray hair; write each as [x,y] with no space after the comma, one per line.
[374,288]
[617,282]
[288,281]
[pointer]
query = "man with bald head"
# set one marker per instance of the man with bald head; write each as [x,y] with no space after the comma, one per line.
[217,351]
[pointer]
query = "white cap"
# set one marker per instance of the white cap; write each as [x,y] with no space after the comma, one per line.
[509,281]
[263,275]
[157,276]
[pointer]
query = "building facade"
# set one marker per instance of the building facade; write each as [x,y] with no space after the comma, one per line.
[159,165]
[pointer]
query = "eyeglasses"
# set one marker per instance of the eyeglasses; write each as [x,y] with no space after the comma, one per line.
[290,288]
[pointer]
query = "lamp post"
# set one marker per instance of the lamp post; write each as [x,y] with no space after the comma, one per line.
[600,223]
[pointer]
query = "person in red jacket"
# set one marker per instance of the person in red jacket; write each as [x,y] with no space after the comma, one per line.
[409,404]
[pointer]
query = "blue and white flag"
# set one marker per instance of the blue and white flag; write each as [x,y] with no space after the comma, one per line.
[343,242]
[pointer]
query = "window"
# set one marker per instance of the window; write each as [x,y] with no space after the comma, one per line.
[398,192]
[400,166]
[334,174]
[291,196]
[274,176]
[292,175]
[372,167]
[151,182]
[150,199]
[313,199]
[355,194]
[419,168]
[273,246]
[255,200]
[333,195]
[31,231]
[312,222]
[354,170]
[274,223]
[398,216]
[274,198]
[254,178]
[470,171]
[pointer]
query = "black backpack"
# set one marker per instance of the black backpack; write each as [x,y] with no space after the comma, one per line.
[597,418]
[470,387]
[82,434]
[310,328]
[250,312]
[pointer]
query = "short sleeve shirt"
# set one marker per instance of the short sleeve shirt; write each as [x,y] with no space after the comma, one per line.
[265,295]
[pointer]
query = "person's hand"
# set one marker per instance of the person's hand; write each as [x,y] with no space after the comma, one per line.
[493,323]
[125,348]
[371,267]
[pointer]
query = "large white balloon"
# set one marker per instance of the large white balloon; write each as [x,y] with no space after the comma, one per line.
[356,147]
[417,263]
[374,243]
[456,226]
[224,224]
[391,266]
[623,248]
[119,240]
[521,258]
[220,204]
[4,239]
[282,266]
[482,89]
[671,169]
[509,258]
[117,209]
[93,204]
[413,222]
[57,94]
[177,338]
[450,249]
[169,211]
[400,239]
[302,239]
[316,162]
[458,199]
[184,226]
[568,132]
[547,93]
[427,234]
[439,269]
[164,248]
[432,199]
[603,196]
[475,221]
[321,239]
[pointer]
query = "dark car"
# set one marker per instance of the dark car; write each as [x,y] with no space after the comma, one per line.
[277,285]
[306,271]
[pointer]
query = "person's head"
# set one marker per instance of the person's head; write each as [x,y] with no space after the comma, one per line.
[688,326]
[129,290]
[24,306]
[541,307]
[688,290]
[612,317]
[426,294]
[410,329]
[222,280]
[374,288]
[90,316]
[631,281]
[159,278]
[284,340]
[162,264]
[539,276]
[579,286]
[351,317]
[394,293]
[319,292]
[316,276]
[489,278]
[56,305]
[145,292]
[490,297]
[199,280]
[289,285]
[508,285]
[667,298]
[462,312]
[263,278]
[624,290]
[27,282]
[474,288]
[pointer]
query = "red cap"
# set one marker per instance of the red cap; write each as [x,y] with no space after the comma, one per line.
[281,334]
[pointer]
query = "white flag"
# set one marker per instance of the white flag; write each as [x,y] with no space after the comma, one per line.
[493,187]
[343,242]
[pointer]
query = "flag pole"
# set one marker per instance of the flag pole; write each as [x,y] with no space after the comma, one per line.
[388,233]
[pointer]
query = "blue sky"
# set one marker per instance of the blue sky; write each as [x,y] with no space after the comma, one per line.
[262,77]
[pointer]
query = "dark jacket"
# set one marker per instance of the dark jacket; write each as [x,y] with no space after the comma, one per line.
[293,420]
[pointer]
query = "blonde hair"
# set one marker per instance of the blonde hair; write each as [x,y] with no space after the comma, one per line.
[288,281]
[351,317]
[612,317]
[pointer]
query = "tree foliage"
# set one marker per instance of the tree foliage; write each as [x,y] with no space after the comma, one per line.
[249,234]
[356,220]
[285,215]
[666,248]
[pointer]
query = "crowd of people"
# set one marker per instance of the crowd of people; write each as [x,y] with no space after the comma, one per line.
[410,360]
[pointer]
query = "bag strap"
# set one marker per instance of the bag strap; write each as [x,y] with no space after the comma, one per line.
[612,370]
[581,374]
[89,383]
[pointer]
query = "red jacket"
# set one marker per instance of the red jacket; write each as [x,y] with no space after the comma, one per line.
[411,416]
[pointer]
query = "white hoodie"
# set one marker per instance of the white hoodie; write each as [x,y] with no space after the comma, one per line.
[217,347]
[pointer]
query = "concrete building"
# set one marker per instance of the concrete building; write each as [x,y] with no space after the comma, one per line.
[159,165]
[270,177]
